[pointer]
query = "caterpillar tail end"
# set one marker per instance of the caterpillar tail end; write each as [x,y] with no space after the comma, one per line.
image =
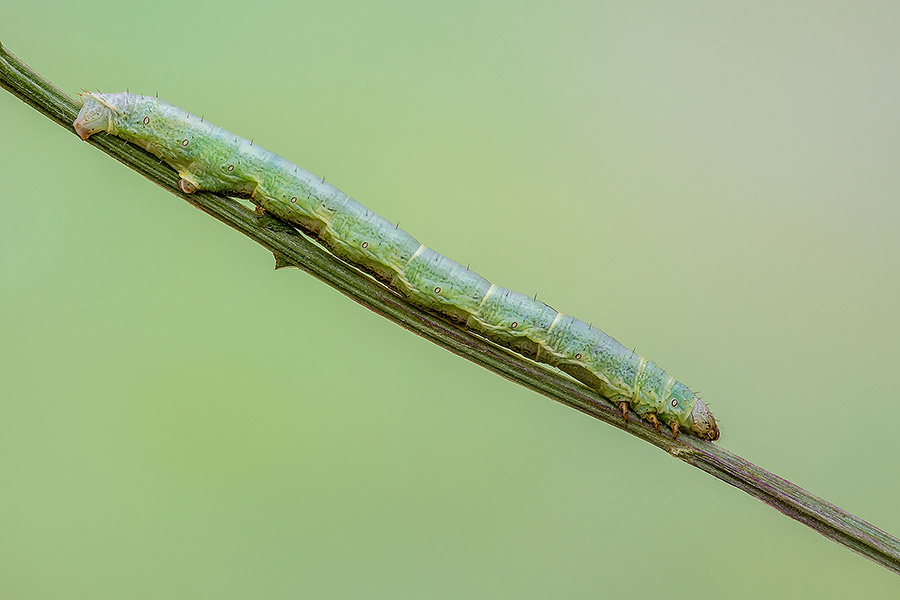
[95,115]
[83,132]
[84,127]
[703,422]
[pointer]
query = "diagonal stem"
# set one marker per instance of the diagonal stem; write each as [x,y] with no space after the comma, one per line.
[292,248]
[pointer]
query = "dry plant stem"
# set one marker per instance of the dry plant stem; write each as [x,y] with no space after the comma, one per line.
[292,248]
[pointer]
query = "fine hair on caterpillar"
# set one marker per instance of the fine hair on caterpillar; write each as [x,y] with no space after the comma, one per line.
[210,158]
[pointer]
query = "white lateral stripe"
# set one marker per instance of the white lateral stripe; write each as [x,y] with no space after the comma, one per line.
[488,293]
[642,366]
[416,253]
[559,316]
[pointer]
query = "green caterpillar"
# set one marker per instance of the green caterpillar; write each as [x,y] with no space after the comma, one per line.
[210,158]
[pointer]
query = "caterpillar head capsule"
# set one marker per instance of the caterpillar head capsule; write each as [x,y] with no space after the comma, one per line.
[96,114]
[703,423]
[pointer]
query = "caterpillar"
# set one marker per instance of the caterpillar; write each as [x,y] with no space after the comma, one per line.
[210,158]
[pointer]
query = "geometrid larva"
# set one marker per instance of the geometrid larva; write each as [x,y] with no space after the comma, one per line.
[209,158]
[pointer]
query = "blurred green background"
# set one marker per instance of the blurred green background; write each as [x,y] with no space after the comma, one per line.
[716,186]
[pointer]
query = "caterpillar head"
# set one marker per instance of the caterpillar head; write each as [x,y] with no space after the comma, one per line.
[96,114]
[703,423]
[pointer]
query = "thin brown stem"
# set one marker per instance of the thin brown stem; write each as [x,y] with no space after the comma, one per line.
[292,248]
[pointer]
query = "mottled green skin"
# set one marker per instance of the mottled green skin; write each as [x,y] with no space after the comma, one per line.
[210,158]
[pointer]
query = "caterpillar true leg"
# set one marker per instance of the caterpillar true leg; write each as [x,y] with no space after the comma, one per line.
[623,403]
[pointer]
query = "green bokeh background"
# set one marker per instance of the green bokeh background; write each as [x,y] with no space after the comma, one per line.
[714,185]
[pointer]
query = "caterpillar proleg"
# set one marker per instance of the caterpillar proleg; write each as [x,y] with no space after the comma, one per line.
[210,158]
